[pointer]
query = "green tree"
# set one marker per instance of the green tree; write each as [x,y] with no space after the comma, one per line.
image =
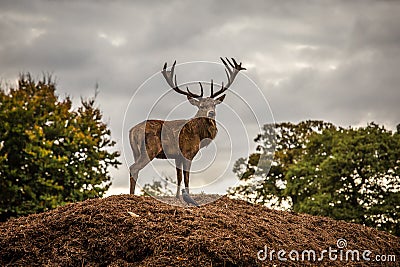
[320,169]
[262,174]
[158,187]
[50,154]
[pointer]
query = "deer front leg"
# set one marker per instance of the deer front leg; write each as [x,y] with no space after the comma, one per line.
[186,171]
[178,165]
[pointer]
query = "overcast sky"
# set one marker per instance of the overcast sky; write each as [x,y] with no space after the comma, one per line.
[337,61]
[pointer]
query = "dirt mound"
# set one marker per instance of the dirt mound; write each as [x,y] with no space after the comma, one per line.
[141,231]
[201,199]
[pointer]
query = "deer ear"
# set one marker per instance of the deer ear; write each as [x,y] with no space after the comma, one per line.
[220,99]
[193,101]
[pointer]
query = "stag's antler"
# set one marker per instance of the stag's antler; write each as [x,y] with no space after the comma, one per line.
[231,76]
[169,75]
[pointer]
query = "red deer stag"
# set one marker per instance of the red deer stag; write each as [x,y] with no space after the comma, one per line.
[179,139]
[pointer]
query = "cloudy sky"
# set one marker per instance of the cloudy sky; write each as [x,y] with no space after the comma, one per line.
[337,61]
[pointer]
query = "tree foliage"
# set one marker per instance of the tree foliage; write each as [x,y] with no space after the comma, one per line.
[351,174]
[160,187]
[50,154]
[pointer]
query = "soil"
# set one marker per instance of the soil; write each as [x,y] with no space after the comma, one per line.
[127,230]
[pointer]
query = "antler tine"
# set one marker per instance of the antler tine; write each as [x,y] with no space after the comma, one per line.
[177,89]
[226,64]
[201,87]
[236,65]
[230,74]
[196,95]
[212,87]
[171,80]
[173,69]
[227,75]
[230,63]
[168,74]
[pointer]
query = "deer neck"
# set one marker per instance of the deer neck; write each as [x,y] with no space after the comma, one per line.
[206,127]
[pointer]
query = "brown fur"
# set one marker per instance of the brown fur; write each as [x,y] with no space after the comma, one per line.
[178,139]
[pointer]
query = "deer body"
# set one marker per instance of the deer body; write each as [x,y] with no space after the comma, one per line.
[178,139]
[172,139]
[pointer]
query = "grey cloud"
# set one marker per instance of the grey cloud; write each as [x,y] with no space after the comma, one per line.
[332,60]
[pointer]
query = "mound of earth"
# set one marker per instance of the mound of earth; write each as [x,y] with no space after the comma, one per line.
[130,230]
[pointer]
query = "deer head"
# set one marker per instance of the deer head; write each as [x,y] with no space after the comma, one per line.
[206,105]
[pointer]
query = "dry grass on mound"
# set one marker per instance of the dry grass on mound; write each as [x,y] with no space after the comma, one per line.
[129,230]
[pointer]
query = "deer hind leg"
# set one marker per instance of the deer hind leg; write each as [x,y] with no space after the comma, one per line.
[178,165]
[146,155]
[140,162]
[134,169]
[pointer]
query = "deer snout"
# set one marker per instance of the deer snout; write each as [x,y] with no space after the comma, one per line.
[211,114]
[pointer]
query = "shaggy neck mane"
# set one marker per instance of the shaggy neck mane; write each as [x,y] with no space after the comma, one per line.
[205,127]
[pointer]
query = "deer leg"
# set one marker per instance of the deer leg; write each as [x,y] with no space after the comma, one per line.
[186,171]
[133,180]
[178,164]
[134,169]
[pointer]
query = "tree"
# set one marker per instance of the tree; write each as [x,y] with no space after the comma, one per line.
[320,169]
[158,187]
[262,174]
[50,155]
